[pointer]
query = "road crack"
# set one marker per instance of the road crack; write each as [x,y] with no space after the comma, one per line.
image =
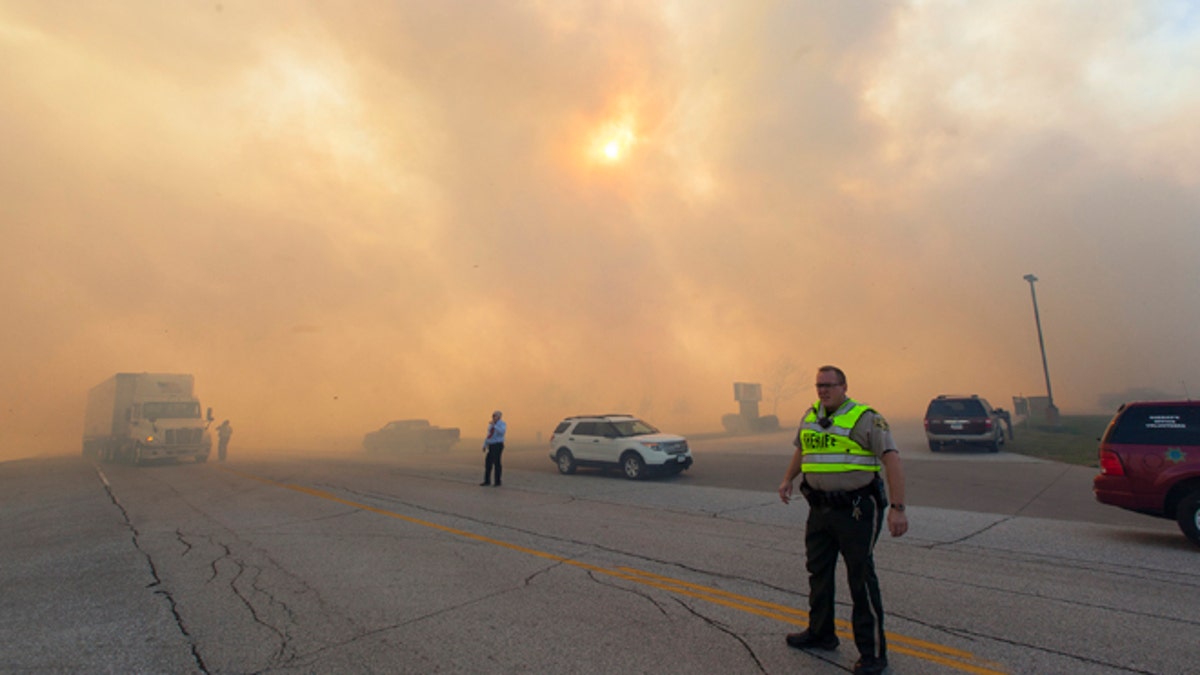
[159,588]
[721,627]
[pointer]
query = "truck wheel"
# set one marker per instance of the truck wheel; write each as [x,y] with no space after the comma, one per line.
[633,466]
[565,461]
[1188,515]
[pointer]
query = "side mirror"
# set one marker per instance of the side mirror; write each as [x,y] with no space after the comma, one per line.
[210,417]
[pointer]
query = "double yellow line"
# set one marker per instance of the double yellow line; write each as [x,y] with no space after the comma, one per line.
[956,659]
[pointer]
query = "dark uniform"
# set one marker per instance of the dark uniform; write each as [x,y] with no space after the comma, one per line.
[840,455]
[846,509]
[224,433]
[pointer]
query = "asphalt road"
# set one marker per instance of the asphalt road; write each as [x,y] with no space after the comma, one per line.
[348,564]
[964,478]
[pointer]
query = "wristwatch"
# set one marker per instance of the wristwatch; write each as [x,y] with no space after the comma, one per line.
[898,507]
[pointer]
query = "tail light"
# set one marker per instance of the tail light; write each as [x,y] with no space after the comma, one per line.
[987,424]
[1110,464]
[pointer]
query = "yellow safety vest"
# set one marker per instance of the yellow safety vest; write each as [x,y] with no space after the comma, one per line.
[830,449]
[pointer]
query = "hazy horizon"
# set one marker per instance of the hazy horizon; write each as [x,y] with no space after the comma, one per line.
[339,214]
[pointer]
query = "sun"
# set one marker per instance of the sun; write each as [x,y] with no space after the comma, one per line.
[612,142]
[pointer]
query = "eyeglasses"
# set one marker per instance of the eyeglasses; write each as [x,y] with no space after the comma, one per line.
[828,385]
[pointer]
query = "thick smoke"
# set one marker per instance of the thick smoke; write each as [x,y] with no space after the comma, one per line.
[339,214]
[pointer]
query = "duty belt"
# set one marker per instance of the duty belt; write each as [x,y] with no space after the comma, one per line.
[839,499]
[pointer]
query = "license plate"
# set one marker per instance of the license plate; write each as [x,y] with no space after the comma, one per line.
[957,427]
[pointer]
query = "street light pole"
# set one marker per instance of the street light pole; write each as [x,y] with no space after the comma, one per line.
[1051,409]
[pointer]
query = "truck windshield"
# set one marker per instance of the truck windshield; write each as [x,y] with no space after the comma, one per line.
[171,410]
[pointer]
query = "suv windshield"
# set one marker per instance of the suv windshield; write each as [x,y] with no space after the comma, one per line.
[969,407]
[633,428]
[1157,425]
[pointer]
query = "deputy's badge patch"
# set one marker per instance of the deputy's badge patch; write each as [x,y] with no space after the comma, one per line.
[881,423]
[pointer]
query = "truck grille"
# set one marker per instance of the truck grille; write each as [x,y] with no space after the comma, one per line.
[183,436]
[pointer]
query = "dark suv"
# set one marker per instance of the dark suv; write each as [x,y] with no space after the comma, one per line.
[969,420]
[1150,462]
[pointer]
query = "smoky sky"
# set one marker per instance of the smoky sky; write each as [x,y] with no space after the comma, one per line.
[337,214]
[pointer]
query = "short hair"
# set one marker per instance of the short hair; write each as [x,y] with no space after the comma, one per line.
[835,370]
[497,413]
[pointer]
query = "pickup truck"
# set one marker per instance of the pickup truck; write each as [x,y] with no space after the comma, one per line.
[408,435]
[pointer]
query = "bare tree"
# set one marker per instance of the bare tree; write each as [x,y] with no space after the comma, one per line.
[784,381]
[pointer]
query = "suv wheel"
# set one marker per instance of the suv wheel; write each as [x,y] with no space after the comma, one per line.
[566,461]
[995,445]
[1188,515]
[934,446]
[633,466]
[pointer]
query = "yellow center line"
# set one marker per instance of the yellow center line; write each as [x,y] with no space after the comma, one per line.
[943,654]
[928,651]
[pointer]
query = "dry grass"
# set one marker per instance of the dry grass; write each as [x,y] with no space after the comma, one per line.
[1074,441]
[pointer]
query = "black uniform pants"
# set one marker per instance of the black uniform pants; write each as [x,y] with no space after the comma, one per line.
[493,460]
[833,530]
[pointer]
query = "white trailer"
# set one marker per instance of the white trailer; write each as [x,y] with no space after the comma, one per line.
[135,417]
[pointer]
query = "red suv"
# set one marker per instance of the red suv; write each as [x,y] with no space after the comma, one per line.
[1150,462]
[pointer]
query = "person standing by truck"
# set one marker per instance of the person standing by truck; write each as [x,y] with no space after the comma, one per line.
[224,432]
[493,445]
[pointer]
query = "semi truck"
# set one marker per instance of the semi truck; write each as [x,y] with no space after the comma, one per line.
[138,417]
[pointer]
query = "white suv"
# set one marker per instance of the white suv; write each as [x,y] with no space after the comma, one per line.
[617,441]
